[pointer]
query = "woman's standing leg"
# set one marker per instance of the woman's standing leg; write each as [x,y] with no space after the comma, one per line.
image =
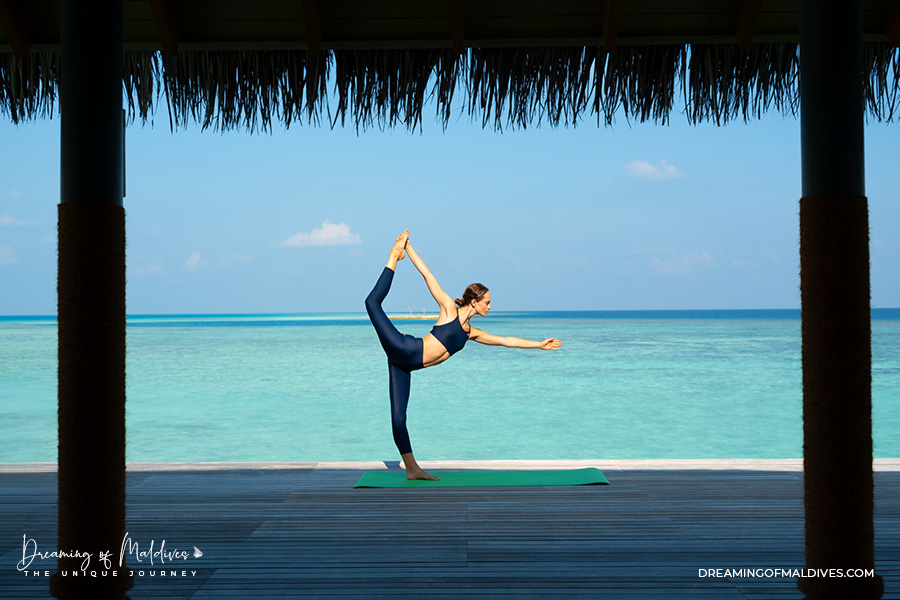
[400,379]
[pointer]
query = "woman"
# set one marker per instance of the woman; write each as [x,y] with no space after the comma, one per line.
[451,331]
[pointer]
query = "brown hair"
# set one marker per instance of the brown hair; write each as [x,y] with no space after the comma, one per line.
[476,292]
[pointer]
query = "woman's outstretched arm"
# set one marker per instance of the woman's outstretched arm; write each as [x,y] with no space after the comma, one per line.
[512,342]
[440,296]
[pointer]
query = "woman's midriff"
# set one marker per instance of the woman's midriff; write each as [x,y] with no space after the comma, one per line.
[433,352]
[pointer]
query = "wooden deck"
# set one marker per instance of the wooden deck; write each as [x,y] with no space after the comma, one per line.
[301,530]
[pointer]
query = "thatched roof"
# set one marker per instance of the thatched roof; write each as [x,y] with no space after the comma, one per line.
[503,64]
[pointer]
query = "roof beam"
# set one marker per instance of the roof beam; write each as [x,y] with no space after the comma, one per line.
[458,16]
[748,17]
[313,26]
[166,25]
[611,11]
[13,21]
[892,24]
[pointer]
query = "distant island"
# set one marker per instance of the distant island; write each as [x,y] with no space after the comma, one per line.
[407,317]
[423,315]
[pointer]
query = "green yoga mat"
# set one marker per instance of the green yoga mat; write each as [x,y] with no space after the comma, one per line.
[397,479]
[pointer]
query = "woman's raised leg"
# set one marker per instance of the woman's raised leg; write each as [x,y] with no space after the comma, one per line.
[397,250]
[391,339]
[387,333]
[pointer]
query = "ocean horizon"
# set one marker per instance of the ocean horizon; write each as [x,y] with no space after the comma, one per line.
[314,387]
[879,313]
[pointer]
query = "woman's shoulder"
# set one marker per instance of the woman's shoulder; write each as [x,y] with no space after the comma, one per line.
[446,316]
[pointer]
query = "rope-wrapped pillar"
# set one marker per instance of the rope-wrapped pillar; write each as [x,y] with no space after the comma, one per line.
[834,282]
[91,303]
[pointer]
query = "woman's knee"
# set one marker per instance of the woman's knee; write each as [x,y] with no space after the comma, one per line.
[398,420]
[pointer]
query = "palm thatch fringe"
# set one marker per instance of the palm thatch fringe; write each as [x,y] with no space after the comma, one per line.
[28,87]
[724,83]
[504,87]
[140,77]
[639,80]
[228,89]
[526,85]
[882,64]
[389,87]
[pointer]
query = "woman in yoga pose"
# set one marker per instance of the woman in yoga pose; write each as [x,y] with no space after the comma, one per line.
[407,353]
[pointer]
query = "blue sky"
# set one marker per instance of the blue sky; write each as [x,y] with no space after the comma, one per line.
[634,216]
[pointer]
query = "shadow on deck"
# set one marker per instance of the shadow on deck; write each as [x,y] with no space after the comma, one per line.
[305,532]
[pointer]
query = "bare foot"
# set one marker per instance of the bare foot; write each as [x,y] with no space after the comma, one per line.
[397,252]
[418,473]
[413,470]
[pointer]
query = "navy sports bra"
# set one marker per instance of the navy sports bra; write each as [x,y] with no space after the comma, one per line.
[451,335]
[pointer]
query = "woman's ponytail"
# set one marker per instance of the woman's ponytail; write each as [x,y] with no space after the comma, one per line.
[476,292]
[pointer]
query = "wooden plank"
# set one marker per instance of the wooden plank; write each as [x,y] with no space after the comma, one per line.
[612,10]
[358,24]
[748,17]
[280,533]
[12,19]
[892,24]
[166,25]
[313,22]
[458,11]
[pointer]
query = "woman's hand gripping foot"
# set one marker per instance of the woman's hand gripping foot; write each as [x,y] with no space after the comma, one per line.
[397,250]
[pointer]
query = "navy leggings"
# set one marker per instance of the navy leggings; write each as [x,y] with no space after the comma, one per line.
[404,353]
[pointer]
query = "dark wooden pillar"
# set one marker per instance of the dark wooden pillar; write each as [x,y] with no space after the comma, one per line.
[91,300]
[834,281]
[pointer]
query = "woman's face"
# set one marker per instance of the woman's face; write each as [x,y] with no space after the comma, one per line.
[484,305]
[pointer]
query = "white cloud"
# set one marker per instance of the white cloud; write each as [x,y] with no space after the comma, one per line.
[14,193]
[680,264]
[194,262]
[7,256]
[11,221]
[328,234]
[237,258]
[645,170]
